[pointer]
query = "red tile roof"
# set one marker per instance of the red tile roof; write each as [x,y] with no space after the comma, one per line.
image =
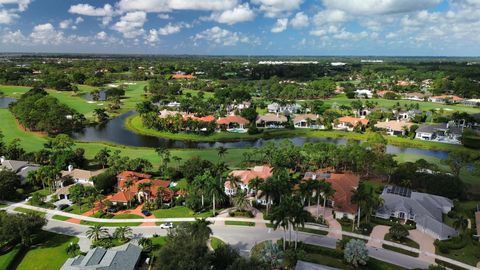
[183,76]
[122,196]
[262,172]
[232,119]
[132,175]
[208,118]
[454,98]
[156,185]
[353,121]
[343,184]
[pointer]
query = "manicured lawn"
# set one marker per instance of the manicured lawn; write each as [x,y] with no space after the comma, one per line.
[308,230]
[61,218]
[105,224]
[179,212]
[400,250]
[158,241]
[29,211]
[7,258]
[469,254]
[407,241]
[127,216]
[75,209]
[239,223]
[182,184]
[49,252]
[216,243]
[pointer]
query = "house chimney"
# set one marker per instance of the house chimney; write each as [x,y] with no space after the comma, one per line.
[70,168]
[2,159]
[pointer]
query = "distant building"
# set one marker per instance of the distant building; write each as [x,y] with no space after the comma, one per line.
[233,123]
[445,98]
[348,123]
[244,178]
[424,209]
[307,121]
[271,120]
[444,132]
[394,128]
[472,102]
[363,93]
[180,76]
[81,176]
[21,168]
[285,109]
[416,96]
[124,257]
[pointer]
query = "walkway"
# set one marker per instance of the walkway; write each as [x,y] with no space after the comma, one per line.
[335,226]
[426,244]
[378,233]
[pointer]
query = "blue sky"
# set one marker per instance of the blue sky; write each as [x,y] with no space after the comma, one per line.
[237,27]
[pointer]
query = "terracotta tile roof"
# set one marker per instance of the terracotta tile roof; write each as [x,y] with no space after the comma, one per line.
[183,76]
[382,93]
[152,190]
[262,172]
[353,121]
[208,118]
[394,125]
[232,119]
[270,117]
[122,196]
[343,184]
[134,175]
[454,98]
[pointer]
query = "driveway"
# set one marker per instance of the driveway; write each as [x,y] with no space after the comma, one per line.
[335,227]
[378,234]
[426,244]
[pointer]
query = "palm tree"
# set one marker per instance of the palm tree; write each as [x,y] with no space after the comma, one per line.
[327,193]
[280,217]
[73,249]
[222,151]
[214,187]
[306,190]
[164,155]
[255,184]
[122,233]
[96,232]
[460,223]
[101,115]
[299,216]
[200,229]
[146,243]
[240,200]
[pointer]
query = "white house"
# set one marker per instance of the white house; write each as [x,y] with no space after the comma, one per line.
[307,121]
[362,93]
[243,178]
[80,176]
[286,109]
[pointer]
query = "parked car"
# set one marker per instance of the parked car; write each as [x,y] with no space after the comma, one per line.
[167,225]
[62,207]
[112,210]
[146,213]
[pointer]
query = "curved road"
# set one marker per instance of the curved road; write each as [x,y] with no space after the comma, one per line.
[242,238]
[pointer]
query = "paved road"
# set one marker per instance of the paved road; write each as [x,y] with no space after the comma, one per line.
[241,237]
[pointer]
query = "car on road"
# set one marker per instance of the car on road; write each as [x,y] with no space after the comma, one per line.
[167,225]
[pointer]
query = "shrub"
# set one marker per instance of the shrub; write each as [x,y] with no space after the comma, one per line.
[365,228]
[398,231]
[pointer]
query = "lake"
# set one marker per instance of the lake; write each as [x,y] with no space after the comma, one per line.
[115,132]
[4,101]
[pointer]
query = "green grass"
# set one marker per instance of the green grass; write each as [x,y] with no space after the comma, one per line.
[107,224]
[407,241]
[425,106]
[48,253]
[400,250]
[239,223]
[158,242]
[29,211]
[308,230]
[179,212]
[75,209]
[216,243]
[127,216]
[470,254]
[7,259]
[60,217]
[182,184]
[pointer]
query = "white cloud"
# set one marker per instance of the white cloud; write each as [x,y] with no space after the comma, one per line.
[79,20]
[22,5]
[152,37]
[65,24]
[169,5]
[221,36]
[241,13]
[300,20]
[280,25]
[7,17]
[45,34]
[89,10]
[370,7]
[101,35]
[330,16]
[15,37]
[276,8]
[170,29]
[131,24]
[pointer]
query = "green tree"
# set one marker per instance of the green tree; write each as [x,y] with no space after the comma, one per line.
[122,233]
[96,232]
[102,157]
[398,232]
[101,114]
[73,249]
[272,255]
[9,182]
[356,253]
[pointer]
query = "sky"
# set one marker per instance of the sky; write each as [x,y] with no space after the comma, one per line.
[239,27]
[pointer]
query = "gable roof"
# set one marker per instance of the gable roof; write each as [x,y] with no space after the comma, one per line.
[393,125]
[131,174]
[304,117]
[81,174]
[124,257]
[208,118]
[14,165]
[122,196]
[270,117]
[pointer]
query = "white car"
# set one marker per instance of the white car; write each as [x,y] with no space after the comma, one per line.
[167,225]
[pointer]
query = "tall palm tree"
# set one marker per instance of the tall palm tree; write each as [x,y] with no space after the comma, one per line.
[299,216]
[122,233]
[280,217]
[215,188]
[255,184]
[200,229]
[73,249]
[328,192]
[306,190]
[96,232]
[240,200]
[222,151]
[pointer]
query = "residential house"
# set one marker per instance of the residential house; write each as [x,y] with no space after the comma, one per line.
[21,168]
[141,189]
[244,178]
[271,120]
[174,105]
[238,106]
[130,175]
[285,109]
[363,93]
[233,123]
[445,98]
[349,123]
[416,96]
[394,128]
[424,209]
[406,115]
[180,76]
[344,184]
[382,93]
[307,121]
[206,119]
[80,176]
[472,102]
[124,257]
[443,132]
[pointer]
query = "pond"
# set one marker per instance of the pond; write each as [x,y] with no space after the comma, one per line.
[115,132]
[102,96]
[4,101]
